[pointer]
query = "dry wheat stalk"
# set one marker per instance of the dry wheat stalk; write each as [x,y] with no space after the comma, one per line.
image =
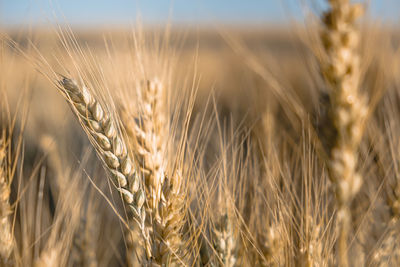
[165,198]
[341,69]
[6,236]
[110,147]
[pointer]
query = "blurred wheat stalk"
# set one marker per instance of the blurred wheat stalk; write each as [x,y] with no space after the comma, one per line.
[341,69]
[6,235]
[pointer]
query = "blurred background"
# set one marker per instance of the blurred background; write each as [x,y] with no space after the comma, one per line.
[219,39]
[189,13]
[242,54]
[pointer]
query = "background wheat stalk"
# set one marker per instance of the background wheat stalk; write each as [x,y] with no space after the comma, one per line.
[6,235]
[341,69]
[110,147]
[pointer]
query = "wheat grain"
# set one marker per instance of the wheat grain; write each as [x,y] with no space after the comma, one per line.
[341,69]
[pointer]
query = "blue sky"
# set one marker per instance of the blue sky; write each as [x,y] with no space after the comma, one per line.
[191,12]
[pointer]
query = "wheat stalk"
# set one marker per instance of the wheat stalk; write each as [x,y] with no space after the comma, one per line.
[341,69]
[102,132]
[6,236]
[165,198]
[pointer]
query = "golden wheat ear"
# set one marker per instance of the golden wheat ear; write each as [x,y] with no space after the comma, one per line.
[341,69]
[164,194]
[224,242]
[101,129]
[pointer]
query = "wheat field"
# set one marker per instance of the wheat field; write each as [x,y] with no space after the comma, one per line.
[168,146]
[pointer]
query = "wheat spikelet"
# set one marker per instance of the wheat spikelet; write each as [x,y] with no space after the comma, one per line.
[111,149]
[48,258]
[224,242]
[393,201]
[270,246]
[341,69]
[149,132]
[6,236]
[311,249]
[169,221]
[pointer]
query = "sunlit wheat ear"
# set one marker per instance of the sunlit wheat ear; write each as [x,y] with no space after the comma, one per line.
[150,140]
[164,194]
[341,69]
[6,236]
[168,224]
[110,147]
[225,242]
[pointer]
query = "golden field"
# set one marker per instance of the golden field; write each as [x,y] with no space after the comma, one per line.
[270,146]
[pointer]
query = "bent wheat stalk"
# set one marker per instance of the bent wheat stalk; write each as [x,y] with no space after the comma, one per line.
[341,69]
[111,149]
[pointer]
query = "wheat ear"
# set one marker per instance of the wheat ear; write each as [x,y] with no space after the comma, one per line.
[149,134]
[6,236]
[224,242]
[341,69]
[164,194]
[102,132]
[48,258]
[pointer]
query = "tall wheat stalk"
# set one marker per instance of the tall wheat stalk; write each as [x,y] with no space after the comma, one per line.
[111,149]
[341,69]
[164,191]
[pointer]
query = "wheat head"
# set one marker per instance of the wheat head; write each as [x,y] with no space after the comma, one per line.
[225,242]
[341,69]
[164,195]
[111,149]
